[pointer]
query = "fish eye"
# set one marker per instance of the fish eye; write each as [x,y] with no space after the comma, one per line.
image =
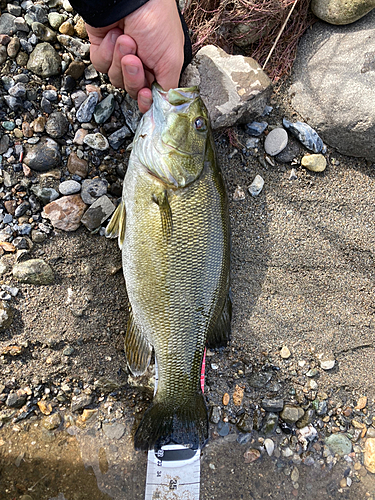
[200,123]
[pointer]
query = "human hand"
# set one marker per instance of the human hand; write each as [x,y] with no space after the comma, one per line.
[146,45]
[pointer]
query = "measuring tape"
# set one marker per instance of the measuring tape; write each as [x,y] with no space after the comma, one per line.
[174,471]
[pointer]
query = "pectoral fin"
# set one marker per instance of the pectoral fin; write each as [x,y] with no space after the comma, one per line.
[117,224]
[219,334]
[137,348]
[161,200]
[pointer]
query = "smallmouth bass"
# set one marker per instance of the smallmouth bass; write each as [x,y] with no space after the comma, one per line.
[173,230]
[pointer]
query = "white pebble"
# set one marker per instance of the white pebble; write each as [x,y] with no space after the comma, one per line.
[256,186]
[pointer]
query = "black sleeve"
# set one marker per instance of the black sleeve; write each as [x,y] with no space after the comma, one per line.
[99,13]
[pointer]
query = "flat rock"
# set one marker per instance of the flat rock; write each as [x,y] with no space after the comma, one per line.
[104,109]
[314,163]
[77,166]
[44,61]
[98,212]
[234,89]
[86,109]
[332,84]
[69,187]
[92,189]
[341,11]
[96,141]
[114,431]
[7,25]
[339,444]
[43,156]
[74,46]
[34,271]
[66,212]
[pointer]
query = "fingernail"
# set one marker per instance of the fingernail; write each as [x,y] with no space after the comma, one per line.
[131,70]
[114,37]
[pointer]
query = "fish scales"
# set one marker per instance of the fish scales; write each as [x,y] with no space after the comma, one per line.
[175,262]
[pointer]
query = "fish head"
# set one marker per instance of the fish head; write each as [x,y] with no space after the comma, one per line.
[172,139]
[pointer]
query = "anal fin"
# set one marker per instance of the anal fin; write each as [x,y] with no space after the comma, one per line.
[117,224]
[219,334]
[137,348]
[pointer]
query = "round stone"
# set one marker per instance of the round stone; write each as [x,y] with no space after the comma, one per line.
[69,187]
[57,125]
[341,11]
[92,189]
[314,163]
[43,156]
[339,444]
[44,61]
[276,141]
[291,413]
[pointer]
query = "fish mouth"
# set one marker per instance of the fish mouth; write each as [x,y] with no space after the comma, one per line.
[181,96]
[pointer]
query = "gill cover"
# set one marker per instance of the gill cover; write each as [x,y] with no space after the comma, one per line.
[172,138]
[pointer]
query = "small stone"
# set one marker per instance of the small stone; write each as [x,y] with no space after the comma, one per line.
[304,133]
[223,428]
[87,414]
[256,128]
[226,399]
[27,131]
[96,141]
[285,352]
[276,141]
[306,419]
[238,395]
[314,163]
[34,271]
[80,136]
[69,187]
[269,446]
[75,69]
[15,400]
[74,46]
[67,28]
[55,20]
[269,423]
[77,166]
[44,61]
[239,194]
[104,109]
[114,431]
[43,156]
[92,189]
[68,351]
[52,422]
[86,109]
[215,415]
[80,28]
[131,113]
[7,25]
[294,476]
[38,124]
[13,47]
[80,402]
[251,455]
[256,186]
[339,12]
[97,213]
[45,195]
[117,138]
[291,413]
[57,125]
[90,72]
[43,32]
[6,314]
[327,364]
[273,405]
[66,213]
[339,444]
[361,403]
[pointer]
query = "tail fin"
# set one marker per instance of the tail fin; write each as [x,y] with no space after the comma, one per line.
[166,423]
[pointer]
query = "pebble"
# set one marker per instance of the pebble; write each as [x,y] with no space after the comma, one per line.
[92,189]
[75,46]
[369,455]
[65,213]
[43,32]
[86,109]
[256,128]
[104,109]
[52,422]
[98,212]
[57,125]
[34,272]
[77,166]
[215,415]
[81,401]
[69,187]
[285,352]
[45,195]
[361,403]
[305,134]
[314,163]
[6,311]
[339,444]
[239,194]
[90,72]
[226,399]
[113,431]
[44,61]
[118,137]
[276,141]
[55,20]
[251,455]
[273,405]
[269,446]
[96,141]
[15,400]
[327,364]
[256,186]
[291,413]
[43,156]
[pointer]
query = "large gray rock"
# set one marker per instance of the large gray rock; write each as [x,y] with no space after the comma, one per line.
[333,85]
[341,11]
[234,88]
[44,61]
[7,25]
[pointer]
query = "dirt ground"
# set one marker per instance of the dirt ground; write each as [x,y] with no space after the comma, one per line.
[302,276]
